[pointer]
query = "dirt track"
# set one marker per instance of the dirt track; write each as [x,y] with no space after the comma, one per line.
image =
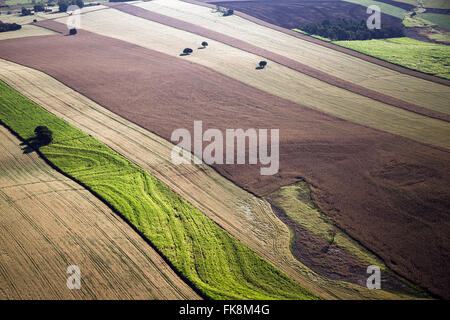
[310,71]
[48,222]
[359,55]
[389,192]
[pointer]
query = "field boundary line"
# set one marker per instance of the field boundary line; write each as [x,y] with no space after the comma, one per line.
[282,60]
[356,54]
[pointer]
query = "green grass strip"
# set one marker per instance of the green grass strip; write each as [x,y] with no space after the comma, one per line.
[442,20]
[217,264]
[414,54]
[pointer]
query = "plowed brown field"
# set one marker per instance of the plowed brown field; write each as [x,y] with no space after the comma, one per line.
[389,192]
[48,222]
[248,218]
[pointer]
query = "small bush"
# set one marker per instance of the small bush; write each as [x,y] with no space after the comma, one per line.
[73,31]
[204,44]
[187,51]
[262,64]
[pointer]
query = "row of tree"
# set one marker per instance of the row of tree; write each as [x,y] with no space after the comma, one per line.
[350,29]
[9,26]
[64,4]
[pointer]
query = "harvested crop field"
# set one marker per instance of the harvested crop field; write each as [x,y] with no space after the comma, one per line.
[228,205]
[332,62]
[293,64]
[49,222]
[216,263]
[389,181]
[275,79]
[327,44]
[292,14]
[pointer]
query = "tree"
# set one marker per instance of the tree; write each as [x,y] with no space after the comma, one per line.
[9,26]
[26,12]
[262,64]
[229,12]
[187,51]
[43,135]
[63,5]
[204,44]
[39,7]
[79,3]
[73,31]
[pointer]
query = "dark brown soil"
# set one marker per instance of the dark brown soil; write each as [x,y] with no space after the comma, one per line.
[390,193]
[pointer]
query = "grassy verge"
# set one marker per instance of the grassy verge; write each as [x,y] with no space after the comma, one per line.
[218,265]
[414,54]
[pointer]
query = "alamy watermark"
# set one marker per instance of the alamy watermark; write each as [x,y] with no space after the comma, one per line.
[374,280]
[374,20]
[231,150]
[74,280]
[74,19]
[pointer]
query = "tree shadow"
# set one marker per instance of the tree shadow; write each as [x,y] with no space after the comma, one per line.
[259,68]
[32,144]
[201,48]
[184,54]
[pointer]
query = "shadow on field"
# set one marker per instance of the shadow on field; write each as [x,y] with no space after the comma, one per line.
[32,144]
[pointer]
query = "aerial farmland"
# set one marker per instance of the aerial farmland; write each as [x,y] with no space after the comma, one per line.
[224,150]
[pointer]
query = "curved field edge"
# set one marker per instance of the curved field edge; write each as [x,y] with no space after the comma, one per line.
[214,262]
[48,222]
[296,202]
[246,217]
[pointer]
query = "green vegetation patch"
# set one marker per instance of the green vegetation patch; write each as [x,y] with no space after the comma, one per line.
[385,8]
[296,202]
[350,29]
[213,261]
[414,54]
[442,20]
[439,4]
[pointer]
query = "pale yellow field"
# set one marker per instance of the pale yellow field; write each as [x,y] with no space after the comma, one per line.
[275,79]
[48,222]
[26,31]
[421,92]
[246,217]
